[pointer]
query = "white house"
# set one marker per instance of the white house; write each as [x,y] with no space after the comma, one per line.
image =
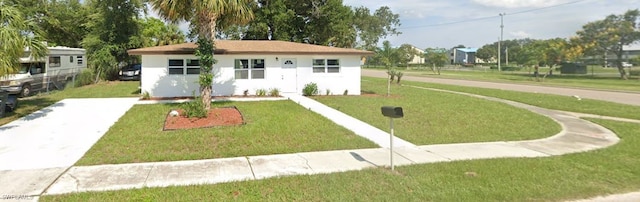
[417,58]
[245,65]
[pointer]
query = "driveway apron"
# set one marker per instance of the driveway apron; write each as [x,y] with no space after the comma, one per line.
[37,148]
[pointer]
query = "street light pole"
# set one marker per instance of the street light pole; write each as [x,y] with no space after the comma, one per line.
[500,41]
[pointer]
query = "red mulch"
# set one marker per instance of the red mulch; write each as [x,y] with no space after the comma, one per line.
[226,116]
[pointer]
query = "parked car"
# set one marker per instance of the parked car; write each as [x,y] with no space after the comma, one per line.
[131,72]
[626,64]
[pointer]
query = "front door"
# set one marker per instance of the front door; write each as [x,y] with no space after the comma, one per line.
[289,76]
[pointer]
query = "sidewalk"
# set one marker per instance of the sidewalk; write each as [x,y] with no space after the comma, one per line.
[360,128]
[577,136]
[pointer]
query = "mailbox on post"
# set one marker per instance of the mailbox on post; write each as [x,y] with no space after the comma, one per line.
[391,112]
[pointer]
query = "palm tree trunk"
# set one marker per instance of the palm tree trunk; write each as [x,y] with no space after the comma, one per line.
[208,30]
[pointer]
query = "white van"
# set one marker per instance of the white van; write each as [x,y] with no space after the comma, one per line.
[59,66]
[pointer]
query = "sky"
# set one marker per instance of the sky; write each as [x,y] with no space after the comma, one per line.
[474,23]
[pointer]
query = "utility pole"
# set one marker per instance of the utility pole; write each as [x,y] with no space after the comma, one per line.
[506,52]
[500,41]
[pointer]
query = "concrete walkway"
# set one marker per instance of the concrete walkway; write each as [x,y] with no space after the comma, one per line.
[577,136]
[37,148]
[617,97]
[360,128]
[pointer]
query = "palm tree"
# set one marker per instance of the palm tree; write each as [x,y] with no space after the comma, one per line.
[205,16]
[388,56]
[16,34]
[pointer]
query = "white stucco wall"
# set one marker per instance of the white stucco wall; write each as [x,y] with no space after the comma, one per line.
[156,80]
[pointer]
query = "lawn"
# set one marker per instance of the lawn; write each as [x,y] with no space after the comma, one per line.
[34,103]
[574,176]
[565,103]
[602,78]
[271,127]
[433,117]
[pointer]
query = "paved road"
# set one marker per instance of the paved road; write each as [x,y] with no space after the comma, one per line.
[618,97]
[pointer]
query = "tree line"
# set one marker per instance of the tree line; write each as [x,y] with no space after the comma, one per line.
[595,40]
[108,28]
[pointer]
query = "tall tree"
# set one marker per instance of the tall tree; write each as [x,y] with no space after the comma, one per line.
[114,29]
[370,28]
[611,34]
[157,33]
[324,22]
[16,34]
[61,21]
[205,16]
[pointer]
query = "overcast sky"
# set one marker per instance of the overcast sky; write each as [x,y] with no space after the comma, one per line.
[474,23]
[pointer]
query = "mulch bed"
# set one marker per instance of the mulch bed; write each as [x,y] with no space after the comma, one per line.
[224,116]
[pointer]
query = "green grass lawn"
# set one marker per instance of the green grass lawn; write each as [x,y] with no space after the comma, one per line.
[565,103]
[603,78]
[573,176]
[34,103]
[433,117]
[271,128]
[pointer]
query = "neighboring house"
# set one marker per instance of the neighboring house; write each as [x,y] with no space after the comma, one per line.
[172,70]
[418,58]
[463,55]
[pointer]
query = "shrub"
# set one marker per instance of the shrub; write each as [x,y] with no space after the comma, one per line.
[245,93]
[328,92]
[346,92]
[194,108]
[634,72]
[392,74]
[146,95]
[310,89]
[274,92]
[261,92]
[85,77]
[399,74]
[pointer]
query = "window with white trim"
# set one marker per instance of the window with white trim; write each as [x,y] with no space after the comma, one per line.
[184,66]
[71,59]
[249,68]
[326,66]
[79,60]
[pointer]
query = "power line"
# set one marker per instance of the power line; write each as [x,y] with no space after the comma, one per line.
[490,17]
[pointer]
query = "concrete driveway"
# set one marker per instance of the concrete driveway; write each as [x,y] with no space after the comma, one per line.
[36,149]
[618,97]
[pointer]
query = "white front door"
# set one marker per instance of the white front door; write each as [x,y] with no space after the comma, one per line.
[289,77]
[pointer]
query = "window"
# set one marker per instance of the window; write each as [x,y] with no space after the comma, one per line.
[184,66]
[54,61]
[79,60]
[318,66]
[71,59]
[249,68]
[333,66]
[193,66]
[257,69]
[326,66]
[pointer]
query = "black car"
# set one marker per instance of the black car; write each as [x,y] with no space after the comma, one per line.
[131,73]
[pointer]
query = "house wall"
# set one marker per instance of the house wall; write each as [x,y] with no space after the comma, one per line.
[158,83]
